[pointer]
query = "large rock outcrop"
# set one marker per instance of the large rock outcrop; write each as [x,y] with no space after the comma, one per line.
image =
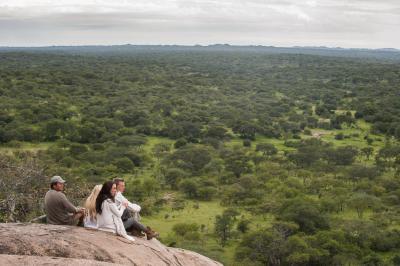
[42,244]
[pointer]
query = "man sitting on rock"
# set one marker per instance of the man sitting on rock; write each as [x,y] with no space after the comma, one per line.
[131,224]
[59,210]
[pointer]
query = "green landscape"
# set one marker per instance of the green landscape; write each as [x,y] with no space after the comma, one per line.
[247,156]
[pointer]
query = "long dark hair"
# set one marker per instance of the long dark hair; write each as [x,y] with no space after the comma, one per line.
[105,193]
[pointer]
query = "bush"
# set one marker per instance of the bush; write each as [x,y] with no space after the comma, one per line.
[206,193]
[14,144]
[178,204]
[246,143]
[67,162]
[189,187]
[124,164]
[76,149]
[339,136]
[98,147]
[173,176]
[180,143]
[304,212]
[182,229]
[307,132]
[396,260]
[193,236]
[243,226]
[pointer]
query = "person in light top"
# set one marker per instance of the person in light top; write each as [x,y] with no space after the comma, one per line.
[90,220]
[108,214]
[131,223]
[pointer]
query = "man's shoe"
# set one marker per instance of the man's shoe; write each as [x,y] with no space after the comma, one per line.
[150,233]
[137,233]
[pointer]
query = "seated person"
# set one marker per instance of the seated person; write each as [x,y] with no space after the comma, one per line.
[108,214]
[131,224]
[59,210]
[90,220]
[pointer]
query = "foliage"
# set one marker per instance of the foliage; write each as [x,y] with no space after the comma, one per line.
[304,148]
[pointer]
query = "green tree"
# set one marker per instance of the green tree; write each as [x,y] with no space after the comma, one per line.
[361,202]
[305,212]
[124,164]
[173,176]
[223,226]
[267,149]
[367,152]
[76,149]
[189,187]
[243,226]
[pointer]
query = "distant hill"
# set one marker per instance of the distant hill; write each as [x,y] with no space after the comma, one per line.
[380,54]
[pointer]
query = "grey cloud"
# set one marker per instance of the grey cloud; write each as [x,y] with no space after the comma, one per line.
[287,22]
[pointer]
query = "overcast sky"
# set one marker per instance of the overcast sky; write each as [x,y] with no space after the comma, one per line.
[344,23]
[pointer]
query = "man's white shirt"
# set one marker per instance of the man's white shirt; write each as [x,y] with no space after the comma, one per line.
[119,199]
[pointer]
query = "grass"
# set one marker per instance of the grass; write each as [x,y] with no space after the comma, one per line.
[205,215]
[152,141]
[164,221]
[351,214]
[25,146]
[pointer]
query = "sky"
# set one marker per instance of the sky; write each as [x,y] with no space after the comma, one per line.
[332,23]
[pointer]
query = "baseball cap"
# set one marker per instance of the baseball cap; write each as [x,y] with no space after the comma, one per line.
[57,179]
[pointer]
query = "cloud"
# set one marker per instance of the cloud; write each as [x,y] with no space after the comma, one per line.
[286,22]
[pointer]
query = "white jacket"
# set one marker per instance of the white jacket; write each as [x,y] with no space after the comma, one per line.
[110,219]
[119,199]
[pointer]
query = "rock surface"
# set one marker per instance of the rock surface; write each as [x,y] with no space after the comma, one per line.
[43,244]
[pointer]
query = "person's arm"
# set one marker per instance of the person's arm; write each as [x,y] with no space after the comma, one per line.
[131,206]
[119,199]
[67,204]
[114,209]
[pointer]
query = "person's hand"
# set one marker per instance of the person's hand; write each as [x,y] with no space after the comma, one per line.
[82,210]
[125,204]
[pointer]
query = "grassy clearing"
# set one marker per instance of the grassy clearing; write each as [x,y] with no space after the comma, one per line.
[25,146]
[152,141]
[205,215]
[350,214]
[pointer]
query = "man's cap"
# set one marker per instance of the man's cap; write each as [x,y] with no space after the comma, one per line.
[57,179]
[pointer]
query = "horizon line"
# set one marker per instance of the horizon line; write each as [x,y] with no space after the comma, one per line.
[203,45]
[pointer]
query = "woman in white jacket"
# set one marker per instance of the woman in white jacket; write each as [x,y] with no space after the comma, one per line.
[108,215]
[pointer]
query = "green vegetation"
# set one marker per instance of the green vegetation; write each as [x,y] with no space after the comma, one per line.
[247,157]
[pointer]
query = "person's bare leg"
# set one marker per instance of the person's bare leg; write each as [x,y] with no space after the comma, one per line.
[78,218]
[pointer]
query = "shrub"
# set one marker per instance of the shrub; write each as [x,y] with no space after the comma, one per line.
[180,143]
[246,143]
[76,149]
[182,229]
[339,136]
[124,164]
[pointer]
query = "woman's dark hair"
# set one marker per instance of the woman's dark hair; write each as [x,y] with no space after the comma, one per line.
[105,193]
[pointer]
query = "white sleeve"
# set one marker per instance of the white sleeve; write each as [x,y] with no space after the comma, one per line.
[134,207]
[114,209]
[131,206]
[119,199]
